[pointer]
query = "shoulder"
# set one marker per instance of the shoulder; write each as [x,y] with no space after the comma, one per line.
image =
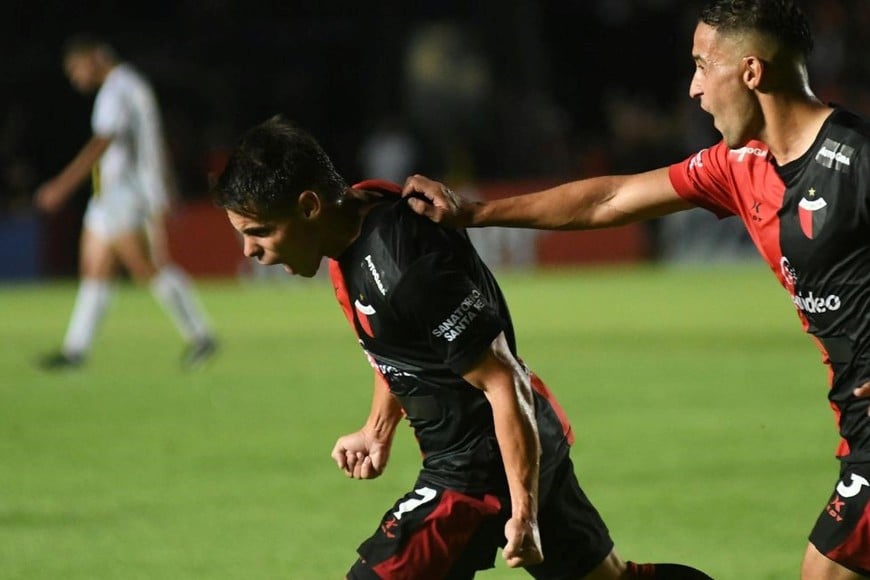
[846,133]
[397,243]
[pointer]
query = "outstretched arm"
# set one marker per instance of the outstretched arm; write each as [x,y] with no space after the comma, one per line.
[506,385]
[364,454]
[597,202]
[53,193]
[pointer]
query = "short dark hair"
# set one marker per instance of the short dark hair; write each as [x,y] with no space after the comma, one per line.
[86,42]
[782,20]
[273,163]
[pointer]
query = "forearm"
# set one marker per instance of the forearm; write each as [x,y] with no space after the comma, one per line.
[575,205]
[385,413]
[598,202]
[77,170]
[517,434]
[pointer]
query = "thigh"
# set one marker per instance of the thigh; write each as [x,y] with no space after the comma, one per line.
[134,252]
[96,257]
[158,240]
[574,538]
[842,532]
[432,533]
[817,566]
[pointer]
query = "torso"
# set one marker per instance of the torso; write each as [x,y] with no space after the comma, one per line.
[810,220]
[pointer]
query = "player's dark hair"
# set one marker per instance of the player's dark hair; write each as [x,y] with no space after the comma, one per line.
[782,20]
[84,42]
[273,163]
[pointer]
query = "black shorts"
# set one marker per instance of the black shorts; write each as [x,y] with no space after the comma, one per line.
[434,532]
[842,532]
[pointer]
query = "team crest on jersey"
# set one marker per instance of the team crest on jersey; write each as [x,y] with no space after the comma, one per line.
[812,211]
[363,311]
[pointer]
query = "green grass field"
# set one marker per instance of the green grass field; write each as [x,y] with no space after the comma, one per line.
[703,431]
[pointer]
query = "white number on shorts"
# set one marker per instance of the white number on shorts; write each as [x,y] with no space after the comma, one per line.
[854,488]
[427,494]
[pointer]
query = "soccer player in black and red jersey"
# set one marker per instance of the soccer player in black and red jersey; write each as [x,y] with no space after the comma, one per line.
[436,329]
[797,172]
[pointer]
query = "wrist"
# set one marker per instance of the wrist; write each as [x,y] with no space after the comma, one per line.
[477,212]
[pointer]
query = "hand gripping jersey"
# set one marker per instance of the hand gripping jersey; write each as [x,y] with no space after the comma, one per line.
[425,308]
[810,219]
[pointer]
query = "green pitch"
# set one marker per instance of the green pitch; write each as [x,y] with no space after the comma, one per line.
[703,431]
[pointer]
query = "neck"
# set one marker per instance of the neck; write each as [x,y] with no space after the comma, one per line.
[349,213]
[791,124]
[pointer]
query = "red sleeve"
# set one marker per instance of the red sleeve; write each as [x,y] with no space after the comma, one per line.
[704,179]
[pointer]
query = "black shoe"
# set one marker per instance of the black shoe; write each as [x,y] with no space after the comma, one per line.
[60,361]
[198,353]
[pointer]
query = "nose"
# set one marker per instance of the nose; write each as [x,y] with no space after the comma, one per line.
[695,87]
[251,249]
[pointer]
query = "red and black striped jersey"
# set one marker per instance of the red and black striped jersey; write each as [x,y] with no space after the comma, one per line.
[810,220]
[425,309]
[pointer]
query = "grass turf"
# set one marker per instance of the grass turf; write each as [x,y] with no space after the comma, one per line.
[699,406]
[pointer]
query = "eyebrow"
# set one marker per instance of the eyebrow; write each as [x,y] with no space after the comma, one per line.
[255,230]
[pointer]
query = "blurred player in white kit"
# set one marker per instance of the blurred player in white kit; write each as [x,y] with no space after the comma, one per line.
[124,221]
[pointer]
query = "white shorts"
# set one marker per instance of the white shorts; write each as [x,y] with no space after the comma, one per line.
[110,215]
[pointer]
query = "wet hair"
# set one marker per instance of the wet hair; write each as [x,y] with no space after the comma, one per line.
[781,20]
[273,163]
[83,43]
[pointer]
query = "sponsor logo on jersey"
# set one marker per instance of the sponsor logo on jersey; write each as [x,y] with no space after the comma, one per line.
[812,211]
[697,161]
[835,155]
[810,303]
[375,274]
[789,274]
[742,152]
[455,324]
[816,305]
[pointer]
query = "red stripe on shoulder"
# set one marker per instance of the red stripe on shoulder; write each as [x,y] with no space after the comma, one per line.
[379,185]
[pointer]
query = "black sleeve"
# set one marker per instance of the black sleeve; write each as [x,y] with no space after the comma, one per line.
[439,300]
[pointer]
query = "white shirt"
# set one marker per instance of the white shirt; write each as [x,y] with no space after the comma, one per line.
[134,164]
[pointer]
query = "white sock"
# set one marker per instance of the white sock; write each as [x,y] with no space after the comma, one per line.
[172,288]
[90,306]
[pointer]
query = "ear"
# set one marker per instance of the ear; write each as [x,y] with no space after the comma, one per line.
[309,204]
[753,71]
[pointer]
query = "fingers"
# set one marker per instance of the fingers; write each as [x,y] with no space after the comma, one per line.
[864,392]
[522,556]
[420,206]
[522,546]
[512,551]
[419,184]
[355,464]
[439,194]
[338,454]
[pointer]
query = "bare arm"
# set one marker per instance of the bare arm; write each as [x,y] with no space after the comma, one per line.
[596,202]
[364,454]
[507,387]
[55,192]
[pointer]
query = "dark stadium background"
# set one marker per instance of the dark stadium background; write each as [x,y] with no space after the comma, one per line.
[483,91]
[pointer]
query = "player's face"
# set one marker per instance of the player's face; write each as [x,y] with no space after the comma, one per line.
[289,241]
[718,85]
[81,70]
